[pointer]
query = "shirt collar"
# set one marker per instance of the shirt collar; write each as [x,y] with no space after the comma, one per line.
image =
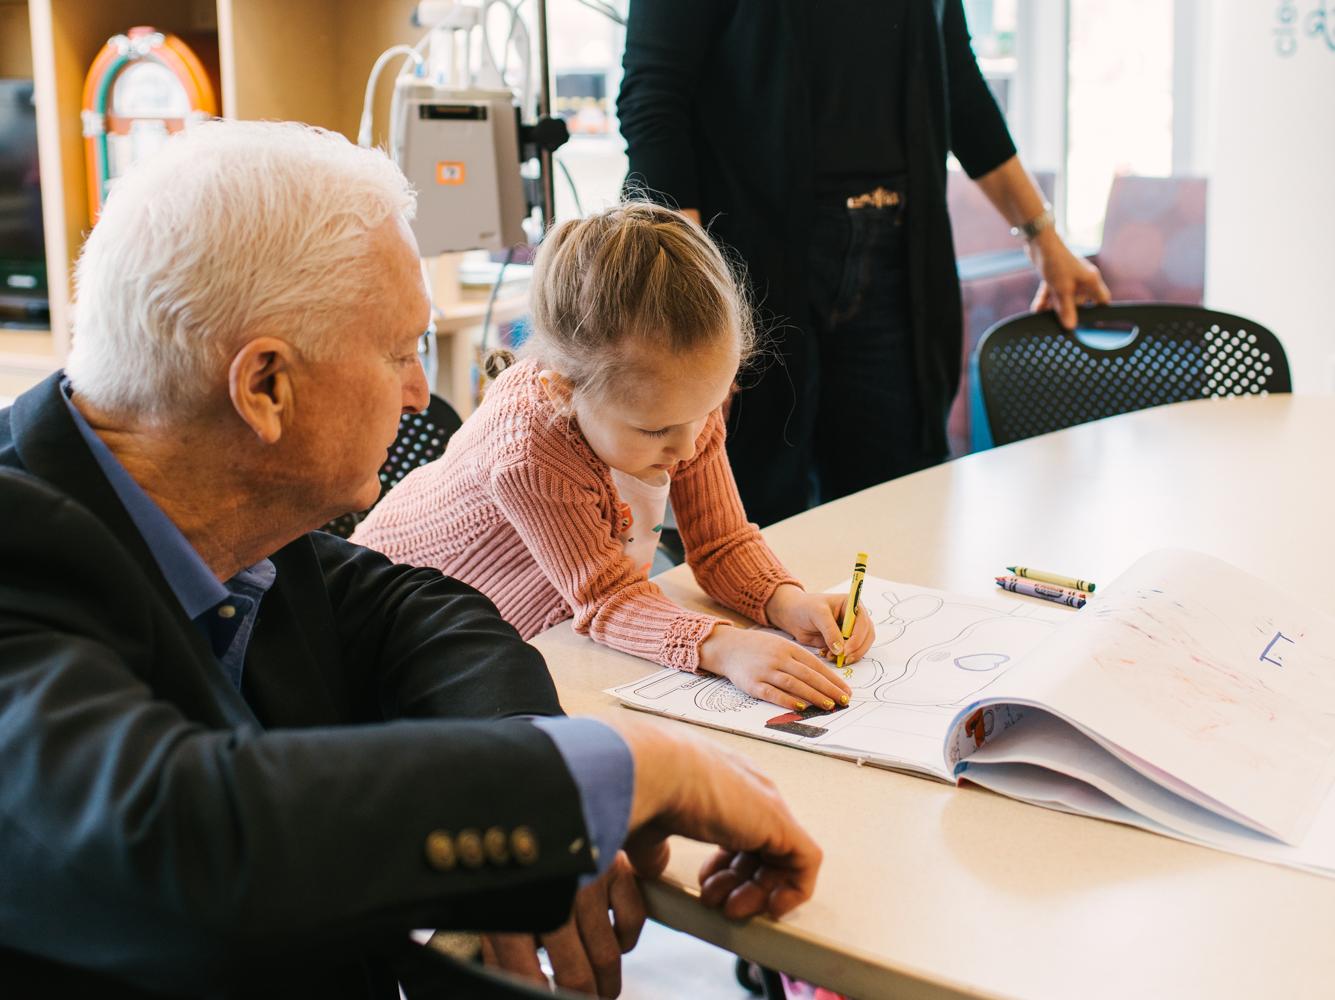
[191,580]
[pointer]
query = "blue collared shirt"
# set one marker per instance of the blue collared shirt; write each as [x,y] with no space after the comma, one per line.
[597,757]
[224,613]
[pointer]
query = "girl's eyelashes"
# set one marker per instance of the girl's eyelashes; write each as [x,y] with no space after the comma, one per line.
[656,434]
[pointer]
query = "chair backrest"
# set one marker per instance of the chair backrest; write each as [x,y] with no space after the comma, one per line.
[422,438]
[1037,377]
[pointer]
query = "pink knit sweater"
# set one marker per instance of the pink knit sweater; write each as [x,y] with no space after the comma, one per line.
[520,507]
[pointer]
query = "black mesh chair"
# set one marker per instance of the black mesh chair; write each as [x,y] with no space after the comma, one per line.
[1036,377]
[422,438]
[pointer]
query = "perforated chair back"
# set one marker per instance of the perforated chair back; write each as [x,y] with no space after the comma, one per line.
[1036,377]
[422,438]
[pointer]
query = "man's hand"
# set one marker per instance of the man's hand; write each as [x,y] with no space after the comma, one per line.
[765,863]
[1068,281]
[586,950]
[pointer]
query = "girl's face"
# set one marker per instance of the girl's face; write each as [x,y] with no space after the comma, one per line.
[651,424]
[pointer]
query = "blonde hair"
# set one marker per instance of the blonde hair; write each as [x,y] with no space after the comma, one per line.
[638,273]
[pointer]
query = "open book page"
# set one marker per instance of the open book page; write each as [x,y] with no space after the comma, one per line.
[934,653]
[1223,684]
[1050,763]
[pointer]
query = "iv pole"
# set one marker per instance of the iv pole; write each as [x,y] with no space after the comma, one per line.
[545,156]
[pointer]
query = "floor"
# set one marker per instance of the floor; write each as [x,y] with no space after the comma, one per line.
[669,965]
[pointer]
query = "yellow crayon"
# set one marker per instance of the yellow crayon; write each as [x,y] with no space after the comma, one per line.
[851,607]
[1045,577]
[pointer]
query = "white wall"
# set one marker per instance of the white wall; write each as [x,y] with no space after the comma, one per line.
[1270,251]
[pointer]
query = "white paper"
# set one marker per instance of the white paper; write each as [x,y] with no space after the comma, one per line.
[934,653]
[1219,682]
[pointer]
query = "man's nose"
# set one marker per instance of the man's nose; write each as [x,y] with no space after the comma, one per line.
[416,392]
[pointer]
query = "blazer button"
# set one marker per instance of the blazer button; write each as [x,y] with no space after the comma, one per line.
[469,845]
[496,845]
[524,844]
[440,850]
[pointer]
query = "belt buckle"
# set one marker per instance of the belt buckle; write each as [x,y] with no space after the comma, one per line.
[878,197]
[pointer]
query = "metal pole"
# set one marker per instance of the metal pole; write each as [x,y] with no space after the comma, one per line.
[545,164]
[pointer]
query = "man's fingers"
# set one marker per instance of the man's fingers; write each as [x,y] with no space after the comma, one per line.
[571,967]
[627,909]
[717,862]
[648,852]
[515,953]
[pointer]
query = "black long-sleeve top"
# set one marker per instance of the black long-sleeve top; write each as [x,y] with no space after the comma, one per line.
[716,109]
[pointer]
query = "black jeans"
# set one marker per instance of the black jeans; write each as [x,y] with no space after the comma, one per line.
[868,420]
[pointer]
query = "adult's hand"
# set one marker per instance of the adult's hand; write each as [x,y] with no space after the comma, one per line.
[1068,281]
[586,950]
[765,862]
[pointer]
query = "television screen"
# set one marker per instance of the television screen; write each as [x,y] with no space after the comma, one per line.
[22,247]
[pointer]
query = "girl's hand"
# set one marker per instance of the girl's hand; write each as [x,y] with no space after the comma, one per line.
[813,620]
[772,668]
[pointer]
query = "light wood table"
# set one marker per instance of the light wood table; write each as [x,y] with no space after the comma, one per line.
[933,891]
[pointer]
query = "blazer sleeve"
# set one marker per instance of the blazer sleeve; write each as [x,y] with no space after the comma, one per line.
[170,852]
[726,552]
[561,523]
[667,42]
[979,136]
[432,646]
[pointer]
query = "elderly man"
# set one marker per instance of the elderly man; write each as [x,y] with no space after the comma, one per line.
[238,756]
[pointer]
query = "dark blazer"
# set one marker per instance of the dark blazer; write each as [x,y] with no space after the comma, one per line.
[161,831]
[716,111]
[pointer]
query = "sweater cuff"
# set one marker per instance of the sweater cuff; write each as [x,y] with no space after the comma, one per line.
[683,638]
[764,589]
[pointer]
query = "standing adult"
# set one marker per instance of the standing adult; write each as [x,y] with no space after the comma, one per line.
[811,137]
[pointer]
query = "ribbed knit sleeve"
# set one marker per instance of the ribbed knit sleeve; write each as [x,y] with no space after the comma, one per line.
[558,513]
[730,560]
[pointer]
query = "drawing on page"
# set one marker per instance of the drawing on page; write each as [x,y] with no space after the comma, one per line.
[718,695]
[657,686]
[869,671]
[904,613]
[953,671]
[710,694]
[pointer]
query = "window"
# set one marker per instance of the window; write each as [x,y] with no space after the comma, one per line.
[585,47]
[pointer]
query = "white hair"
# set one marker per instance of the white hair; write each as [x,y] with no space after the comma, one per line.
[232,230]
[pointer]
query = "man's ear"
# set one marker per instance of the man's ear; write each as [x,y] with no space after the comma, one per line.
[259,382]
[557,389]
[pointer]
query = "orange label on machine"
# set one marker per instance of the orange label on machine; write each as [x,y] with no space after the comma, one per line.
[449,172]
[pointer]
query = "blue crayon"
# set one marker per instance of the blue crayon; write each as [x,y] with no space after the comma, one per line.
[1047,591]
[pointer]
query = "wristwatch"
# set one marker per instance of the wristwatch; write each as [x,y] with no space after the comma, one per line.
[1029,230]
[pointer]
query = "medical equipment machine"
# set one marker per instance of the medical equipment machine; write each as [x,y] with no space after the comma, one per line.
[458,126]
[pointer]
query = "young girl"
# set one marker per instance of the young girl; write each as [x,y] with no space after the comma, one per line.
[550,498]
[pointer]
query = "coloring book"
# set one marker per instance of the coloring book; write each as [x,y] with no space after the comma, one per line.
[1187,698]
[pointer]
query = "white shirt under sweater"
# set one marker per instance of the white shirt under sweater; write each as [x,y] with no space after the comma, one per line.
[640,514]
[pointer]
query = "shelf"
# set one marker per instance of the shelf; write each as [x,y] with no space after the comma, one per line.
[26,357]
[300,60]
